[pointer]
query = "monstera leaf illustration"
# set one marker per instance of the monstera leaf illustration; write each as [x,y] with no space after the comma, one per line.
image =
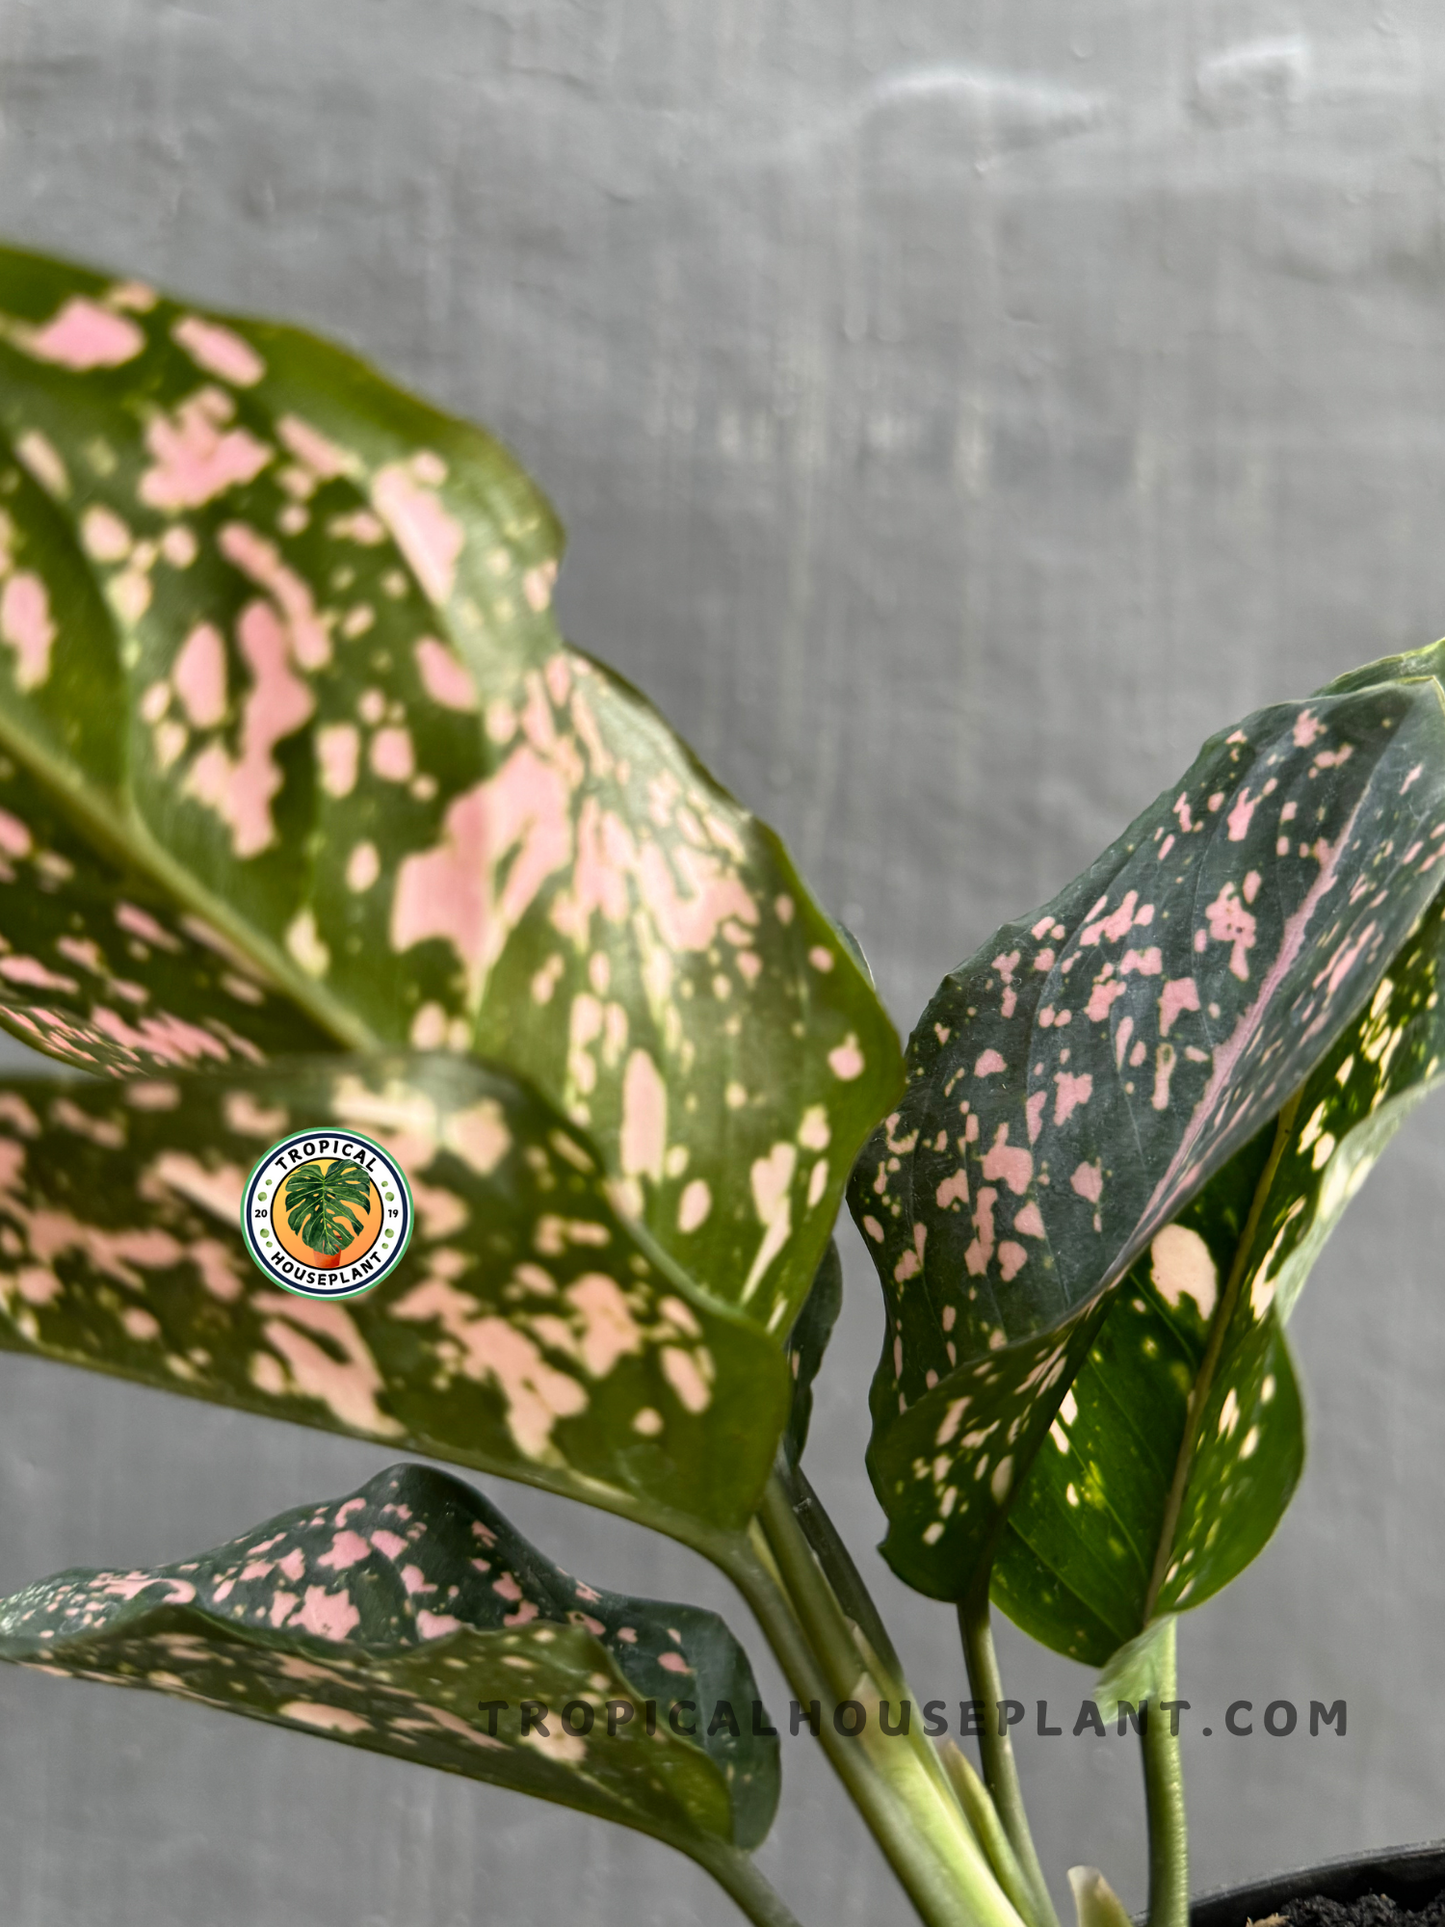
[319,1200]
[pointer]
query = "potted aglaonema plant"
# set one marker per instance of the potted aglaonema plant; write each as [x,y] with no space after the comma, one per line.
[311,821]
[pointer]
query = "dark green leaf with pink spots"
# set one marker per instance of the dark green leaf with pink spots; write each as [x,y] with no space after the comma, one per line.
[530,1329]
[1083,1563]
[385,1619]
[297,760]
[1079,1079]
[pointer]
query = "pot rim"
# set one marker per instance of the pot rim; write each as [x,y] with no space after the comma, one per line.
[1410,1876]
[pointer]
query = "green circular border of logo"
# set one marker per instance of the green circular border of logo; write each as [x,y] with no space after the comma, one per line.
[392,1165]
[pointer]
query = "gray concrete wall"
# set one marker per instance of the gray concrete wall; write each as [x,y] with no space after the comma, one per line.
[958,412]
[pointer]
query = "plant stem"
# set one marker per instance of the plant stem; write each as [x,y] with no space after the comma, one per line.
[850,1662]
[737,1872]
[837,1563]
[854,1599]
[983,1817]
[908,1805]
[1164,1794]
[843,1585]
[1000,1771]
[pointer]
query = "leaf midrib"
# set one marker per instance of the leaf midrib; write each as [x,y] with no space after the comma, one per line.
[1223,1317]
[138,849]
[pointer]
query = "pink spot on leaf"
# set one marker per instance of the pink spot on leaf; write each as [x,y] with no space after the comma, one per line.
[200,676]
[219,351]
[438,1625]
[1012,1164]
[452,891]
[1231,923]
[954,1190]
[846,1062]
[140,923]
[1239,816]
[30,970]
[609,1331]
[1178,995]
[428,536]
[391,756]
[1029,1222]
[330,1615]
[194,460]
[1088,1181]
[338,752]
[314,451]
[537,586]
[981,1250]
[26,625]
[643,1142]
[444,677]
[1070,1093]
[1164,1061]
[1149,963]
[691,921]
[240,790]
[1102,996]
[15,839]
[259,559]
[82,335]
[347,1549]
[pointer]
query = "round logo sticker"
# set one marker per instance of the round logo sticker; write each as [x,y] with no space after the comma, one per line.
[327,1215]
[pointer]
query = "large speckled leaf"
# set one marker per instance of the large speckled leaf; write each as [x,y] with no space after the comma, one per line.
[530,1329]
[385,1619]
[276,645]
[1075,1082]
[1111,1525]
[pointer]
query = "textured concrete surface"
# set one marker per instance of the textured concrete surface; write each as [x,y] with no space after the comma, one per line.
[958,413]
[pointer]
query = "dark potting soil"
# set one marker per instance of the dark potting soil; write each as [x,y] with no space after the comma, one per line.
[1370,1910]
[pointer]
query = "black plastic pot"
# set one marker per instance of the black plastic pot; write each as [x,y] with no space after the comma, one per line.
[1410,1876]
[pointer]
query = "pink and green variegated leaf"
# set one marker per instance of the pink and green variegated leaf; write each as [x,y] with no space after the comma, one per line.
[276,646]
[1093,1548]
[531,1329]
[388,1618]
[1078,1080]
[106,970]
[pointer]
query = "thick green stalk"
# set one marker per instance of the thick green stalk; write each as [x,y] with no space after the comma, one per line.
[983,1818]
[1000,1770]
[1164,1794]
[735,1871]
[851,1663]
[908,1806]
[843,1585]
[837,1563]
